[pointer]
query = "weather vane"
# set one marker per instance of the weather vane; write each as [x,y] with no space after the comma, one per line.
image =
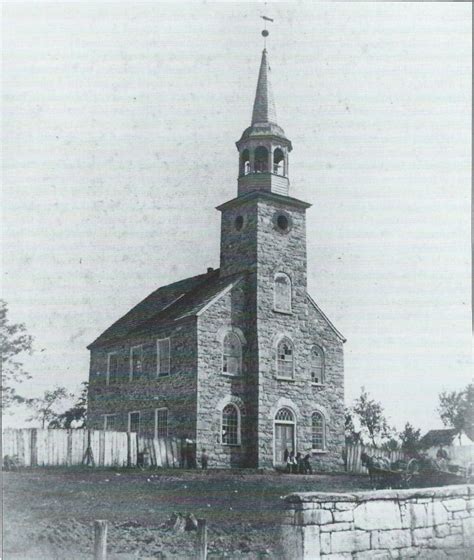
[265,32]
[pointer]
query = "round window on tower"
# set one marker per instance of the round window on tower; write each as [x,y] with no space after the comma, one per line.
[282,222]
[239,223]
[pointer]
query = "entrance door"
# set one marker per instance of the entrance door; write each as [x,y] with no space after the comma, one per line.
[284,440]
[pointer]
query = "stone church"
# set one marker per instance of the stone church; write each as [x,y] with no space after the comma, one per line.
[240,359]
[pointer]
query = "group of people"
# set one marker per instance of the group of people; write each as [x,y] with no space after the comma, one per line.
[296,463]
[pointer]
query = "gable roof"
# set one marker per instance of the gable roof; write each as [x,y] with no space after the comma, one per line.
[434,438]
[166,305]
[326,318]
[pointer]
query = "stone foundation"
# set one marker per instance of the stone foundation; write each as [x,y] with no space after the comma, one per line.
[429,523]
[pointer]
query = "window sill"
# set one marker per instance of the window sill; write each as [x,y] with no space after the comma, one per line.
[225,374]
[282,312]
[319,385]
[231,444]
[319,451]
[285,379]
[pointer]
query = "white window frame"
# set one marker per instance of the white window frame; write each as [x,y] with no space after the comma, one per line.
[278,376]
[323,368]
[108,366]
[156,421]
[130,420]
[323,417]
[239,435]
[240,356]
[275,306]
[131,359]
[158,373]
[106,416]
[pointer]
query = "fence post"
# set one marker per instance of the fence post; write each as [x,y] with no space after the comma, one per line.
[129,450]
[34,448]
[202,540]
[100,539]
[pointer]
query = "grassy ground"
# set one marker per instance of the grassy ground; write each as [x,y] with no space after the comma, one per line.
[49,513]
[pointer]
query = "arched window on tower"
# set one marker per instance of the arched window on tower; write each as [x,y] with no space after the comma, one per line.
[282,293]
[261,160]
[231,425]
[285,359]
[317,365]
[231,354]
[278,162]
[318,427]
[245,163]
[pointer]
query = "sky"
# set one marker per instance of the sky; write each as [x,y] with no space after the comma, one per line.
[119,124]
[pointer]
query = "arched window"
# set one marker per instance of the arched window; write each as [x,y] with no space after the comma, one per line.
[284,435]
[318,439]
[231,354]
[230,425]
[285,359]
[284,415]
[245,163]
[317,365]
[261,160]
[282,293]
[278,162]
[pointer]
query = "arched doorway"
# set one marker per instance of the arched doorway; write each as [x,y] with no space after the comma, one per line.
[284,434]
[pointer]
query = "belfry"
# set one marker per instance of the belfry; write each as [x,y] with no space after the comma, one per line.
[263,147]
[240,360]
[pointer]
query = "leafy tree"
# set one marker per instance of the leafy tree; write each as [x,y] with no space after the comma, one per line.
[77,413]
[371,416]
[14,340]
[391,445]
[456,409]
[410,438]
[45,407]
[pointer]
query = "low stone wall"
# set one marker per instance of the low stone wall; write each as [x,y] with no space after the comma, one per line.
[428,523]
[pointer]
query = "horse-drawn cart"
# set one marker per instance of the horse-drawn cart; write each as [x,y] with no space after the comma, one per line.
[420,471]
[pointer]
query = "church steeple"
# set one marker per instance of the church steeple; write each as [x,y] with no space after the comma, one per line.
[264,104]
[263,147]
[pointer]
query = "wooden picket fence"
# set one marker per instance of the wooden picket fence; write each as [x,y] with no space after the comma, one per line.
[30,447]
[354,462]
[167,452]
[42,447]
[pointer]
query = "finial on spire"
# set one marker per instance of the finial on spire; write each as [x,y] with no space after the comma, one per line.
[265,32]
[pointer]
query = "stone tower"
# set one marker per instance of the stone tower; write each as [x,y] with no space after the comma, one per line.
[263,235]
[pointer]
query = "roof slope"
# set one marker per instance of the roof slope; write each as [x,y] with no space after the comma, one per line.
[434,438]
[169,303]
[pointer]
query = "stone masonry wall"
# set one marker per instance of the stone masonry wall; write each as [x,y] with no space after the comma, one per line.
[305,326]
[426,524]
[231,312]
[176,392]
[239,246]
